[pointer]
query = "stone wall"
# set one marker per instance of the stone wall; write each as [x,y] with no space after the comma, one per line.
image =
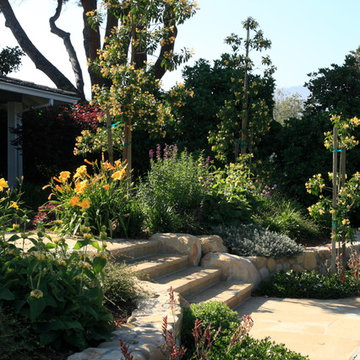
[316,258]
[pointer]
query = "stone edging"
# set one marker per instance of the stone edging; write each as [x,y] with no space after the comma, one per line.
[314,258]
[143,330]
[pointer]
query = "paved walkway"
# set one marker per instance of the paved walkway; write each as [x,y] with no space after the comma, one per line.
[322,329]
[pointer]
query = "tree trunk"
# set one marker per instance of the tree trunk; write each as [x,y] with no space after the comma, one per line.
[41,63]
[111,22]
[159,69]
[69,48]
[91,40]
[334,200]
[244,124]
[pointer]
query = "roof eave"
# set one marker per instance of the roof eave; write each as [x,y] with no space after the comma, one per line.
[22,89]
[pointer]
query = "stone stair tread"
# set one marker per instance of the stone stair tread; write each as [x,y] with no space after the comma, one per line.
[190,279]
[228,292]
[130,249]
[158,264]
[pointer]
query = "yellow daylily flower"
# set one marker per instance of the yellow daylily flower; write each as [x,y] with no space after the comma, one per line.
[3,184]
[13,204]
[119,175]
[85,204]
[64,176]
[75,200]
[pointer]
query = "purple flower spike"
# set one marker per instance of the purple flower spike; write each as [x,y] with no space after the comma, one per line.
[158,152]
[207,161]
[151,153]
[174,151]
[166,152]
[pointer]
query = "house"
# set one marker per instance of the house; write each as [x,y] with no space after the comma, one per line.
[16,97]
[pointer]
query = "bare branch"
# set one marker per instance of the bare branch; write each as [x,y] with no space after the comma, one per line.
[41,63]
[69,48]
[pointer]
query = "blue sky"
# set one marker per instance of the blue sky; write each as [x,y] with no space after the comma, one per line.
[305,34]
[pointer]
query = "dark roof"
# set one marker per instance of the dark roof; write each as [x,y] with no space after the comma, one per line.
[32,85]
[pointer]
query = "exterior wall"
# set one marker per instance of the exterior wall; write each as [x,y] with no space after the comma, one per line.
[15,165]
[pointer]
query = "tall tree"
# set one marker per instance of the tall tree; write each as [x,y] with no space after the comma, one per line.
[242,119]
[287,106]
[336,89]
[131,99]
[114,14]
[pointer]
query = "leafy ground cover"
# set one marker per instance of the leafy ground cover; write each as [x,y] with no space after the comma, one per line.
[213,331]
[310,285]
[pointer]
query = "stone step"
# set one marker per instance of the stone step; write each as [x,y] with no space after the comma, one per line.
[229,292]
[158,265]
[191,279]
[131,249]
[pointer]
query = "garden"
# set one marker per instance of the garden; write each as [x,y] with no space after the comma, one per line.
[206,157]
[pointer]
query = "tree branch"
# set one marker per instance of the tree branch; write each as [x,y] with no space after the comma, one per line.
[159,70]
[69,48]
[111,22]
[41,63]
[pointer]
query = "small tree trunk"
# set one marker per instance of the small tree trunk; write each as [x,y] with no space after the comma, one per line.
[127,147]
[342,183]
[245,119]
[334,200]
[109,138]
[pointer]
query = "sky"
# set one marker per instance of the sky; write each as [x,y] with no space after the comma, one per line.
[306,34]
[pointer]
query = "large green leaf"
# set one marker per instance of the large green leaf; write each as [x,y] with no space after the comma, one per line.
[37,306]
[65,324]
[6,294]
[98,264]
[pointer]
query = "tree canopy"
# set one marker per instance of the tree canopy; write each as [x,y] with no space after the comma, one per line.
[10,59]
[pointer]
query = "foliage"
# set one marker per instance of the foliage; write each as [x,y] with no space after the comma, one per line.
[335,89]
[131,99]
[252,240]
[291,153]
[119,287]
[309,285]
[173,191]
[47,138]
[287,106]
[243,105]
[279,214]
[213,341]
[348,193]
[58,294]
[10,59]
[99,203]
[232,194]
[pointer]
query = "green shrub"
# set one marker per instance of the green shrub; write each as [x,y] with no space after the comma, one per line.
[252,240]
[284,216]
[232,195]
[119,288]
[251,348]
[309,285]
[223,346]
[173,191]
[57,293]
[214,313]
